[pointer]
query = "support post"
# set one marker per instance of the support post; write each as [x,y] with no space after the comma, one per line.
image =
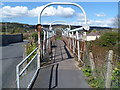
[18,80]
[92,64]
[70,40]
[47,38]
[39,48]
[78,45]
[109,69]
[39,29]
[44,43]
[76,42]
[73,43]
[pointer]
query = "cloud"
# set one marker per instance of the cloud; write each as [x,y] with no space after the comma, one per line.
[52,11]
[100,15]
[103,23]
[10,12]
[81,19]
[80,14]
[21,11]
[46,22]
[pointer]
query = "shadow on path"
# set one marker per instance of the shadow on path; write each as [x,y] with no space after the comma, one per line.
[60,73]
[51,77]
[68,53]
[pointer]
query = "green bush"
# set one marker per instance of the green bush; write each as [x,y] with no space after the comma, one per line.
[116,78]
[97,82]
[108,39]
[29,48]
[35,36]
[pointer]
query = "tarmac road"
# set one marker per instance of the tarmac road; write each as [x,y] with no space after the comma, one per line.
[12,54]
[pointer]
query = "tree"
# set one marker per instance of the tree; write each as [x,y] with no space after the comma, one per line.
[108,39]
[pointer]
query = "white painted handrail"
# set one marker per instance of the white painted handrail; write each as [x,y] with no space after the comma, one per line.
[46,29]
[50,25]
[77,29]
[62,3]
[27,65]
[19,73]
[27,57]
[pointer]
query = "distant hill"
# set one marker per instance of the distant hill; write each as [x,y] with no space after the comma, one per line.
[77,26]
[16,27]
[99,28]
[21,28]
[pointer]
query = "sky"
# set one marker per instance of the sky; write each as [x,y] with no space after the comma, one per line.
[98,13]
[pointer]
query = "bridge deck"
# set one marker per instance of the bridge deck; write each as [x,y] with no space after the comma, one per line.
[63,74]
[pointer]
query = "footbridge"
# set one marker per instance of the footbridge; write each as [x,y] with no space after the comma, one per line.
[51,64]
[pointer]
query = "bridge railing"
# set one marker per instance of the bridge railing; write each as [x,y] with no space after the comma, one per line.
[75,41]
[26,70]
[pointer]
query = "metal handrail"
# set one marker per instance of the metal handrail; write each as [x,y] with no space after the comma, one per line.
[77,29]
[50,25]
[27,57]
[62,3]
[18,73]
[46,29]
[27,65]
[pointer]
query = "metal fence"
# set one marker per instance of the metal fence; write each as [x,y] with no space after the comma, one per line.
[26,70]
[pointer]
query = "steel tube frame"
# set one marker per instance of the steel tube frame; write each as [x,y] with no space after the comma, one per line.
[77,29]
[58,21]
[23,70]
[27,57]
[62,3]
[45,29]
[65,3]
[18,72]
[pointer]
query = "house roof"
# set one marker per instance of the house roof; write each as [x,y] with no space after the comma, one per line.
[93,34]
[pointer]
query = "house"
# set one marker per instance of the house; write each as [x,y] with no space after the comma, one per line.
[92,36]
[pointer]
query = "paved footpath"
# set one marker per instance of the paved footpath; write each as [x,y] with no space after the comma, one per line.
[63,73]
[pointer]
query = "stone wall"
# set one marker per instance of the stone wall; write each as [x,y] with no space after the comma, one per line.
[8,39]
